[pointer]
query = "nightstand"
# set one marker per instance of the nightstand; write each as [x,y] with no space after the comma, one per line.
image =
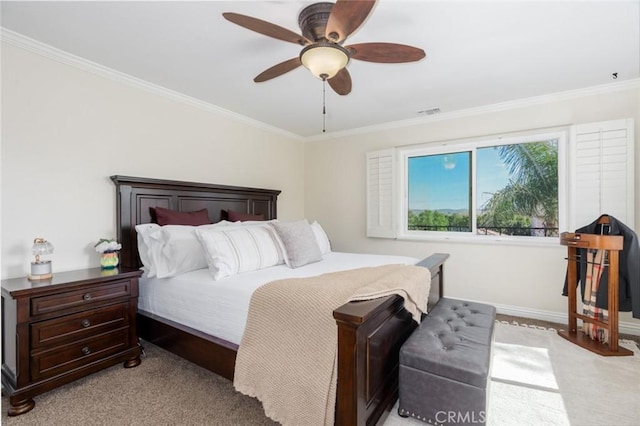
[58,330]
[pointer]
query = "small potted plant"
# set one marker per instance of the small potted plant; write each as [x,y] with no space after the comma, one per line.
[108,250]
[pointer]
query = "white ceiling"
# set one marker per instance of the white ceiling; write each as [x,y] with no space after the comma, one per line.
[478,53]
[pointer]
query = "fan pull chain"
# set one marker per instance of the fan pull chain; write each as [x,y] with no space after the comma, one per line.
[324,103]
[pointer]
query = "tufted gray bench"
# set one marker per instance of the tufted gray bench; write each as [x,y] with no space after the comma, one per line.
[445,365]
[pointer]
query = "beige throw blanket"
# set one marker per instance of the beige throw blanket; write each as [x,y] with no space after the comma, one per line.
[288,354]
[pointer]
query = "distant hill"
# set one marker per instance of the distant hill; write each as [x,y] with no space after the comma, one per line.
[443,211]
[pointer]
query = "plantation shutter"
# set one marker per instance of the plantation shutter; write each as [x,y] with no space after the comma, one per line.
[380,194]
[602,177]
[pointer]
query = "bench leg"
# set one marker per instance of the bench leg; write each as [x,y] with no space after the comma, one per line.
[401,413]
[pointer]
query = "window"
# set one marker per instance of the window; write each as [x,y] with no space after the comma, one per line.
[526,188]
[493,188]
[439,192]
[517,189]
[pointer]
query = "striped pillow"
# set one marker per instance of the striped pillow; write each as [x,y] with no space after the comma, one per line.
[233,250]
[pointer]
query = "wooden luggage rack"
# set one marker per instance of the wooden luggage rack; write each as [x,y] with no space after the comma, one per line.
[612,244]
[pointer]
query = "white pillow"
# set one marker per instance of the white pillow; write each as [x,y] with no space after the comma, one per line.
[175,249]
[236,249]
[143,231]
[299,243]
[321,238]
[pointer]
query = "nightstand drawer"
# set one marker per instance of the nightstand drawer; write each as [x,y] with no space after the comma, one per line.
[73,301]
[63,359]
[71,328]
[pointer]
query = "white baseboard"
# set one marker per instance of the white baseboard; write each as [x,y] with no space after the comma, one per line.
[624,327]
[559,317]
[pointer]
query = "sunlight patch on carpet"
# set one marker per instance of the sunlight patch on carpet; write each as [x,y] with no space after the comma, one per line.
[523,365]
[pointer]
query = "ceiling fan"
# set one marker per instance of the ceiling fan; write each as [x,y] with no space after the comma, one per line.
[325,26]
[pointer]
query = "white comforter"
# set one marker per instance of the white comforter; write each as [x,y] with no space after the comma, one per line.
[220,308]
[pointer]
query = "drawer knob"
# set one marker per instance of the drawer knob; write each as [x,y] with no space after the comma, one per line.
[86,323]
[86,350]
[87,296]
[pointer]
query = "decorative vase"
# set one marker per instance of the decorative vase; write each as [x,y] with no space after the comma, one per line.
[109,260]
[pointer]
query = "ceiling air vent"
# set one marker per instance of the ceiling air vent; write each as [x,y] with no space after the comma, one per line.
[430,111]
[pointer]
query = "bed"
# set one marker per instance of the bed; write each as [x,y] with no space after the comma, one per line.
[370,332]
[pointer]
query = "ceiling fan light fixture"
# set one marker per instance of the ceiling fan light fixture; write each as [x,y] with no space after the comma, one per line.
[324,59]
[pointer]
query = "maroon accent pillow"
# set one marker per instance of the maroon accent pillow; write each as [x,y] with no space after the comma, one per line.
[172,217]
[237,216]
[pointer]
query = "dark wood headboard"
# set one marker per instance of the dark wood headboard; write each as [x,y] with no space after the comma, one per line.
[135,196]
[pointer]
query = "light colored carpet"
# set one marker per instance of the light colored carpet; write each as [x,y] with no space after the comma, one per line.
[538,379]
[163,390]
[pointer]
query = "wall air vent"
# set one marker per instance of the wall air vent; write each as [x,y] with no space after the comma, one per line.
[429,111]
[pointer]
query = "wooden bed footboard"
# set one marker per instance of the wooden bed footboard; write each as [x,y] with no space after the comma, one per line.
[370,334]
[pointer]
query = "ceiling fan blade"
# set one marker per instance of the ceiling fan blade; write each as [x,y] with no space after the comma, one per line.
[388,53]
[341,82]
[346,17]
[266,28]
[278,70]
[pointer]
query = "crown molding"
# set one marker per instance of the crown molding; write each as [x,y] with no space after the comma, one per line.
[21,41]
[498,107]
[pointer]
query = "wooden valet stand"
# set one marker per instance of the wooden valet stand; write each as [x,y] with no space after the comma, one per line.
[612,244]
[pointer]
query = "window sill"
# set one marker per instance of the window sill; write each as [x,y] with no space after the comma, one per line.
[487,240]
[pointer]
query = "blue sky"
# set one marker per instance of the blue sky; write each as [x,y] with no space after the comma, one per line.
[438,182]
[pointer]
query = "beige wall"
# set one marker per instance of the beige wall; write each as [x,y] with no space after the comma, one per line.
[65,131]
[520,277]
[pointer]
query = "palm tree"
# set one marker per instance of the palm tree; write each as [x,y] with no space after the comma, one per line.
[533,188]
